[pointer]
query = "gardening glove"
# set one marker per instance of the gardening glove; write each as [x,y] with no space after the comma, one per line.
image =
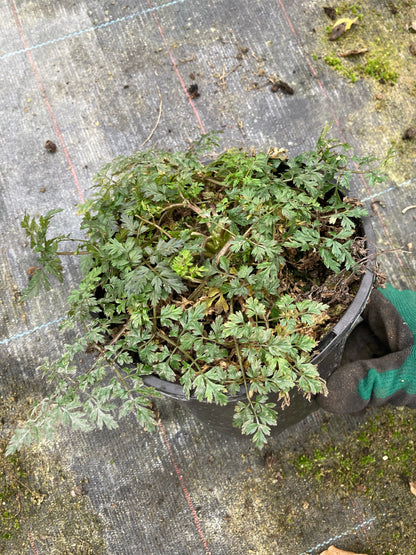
[383,369]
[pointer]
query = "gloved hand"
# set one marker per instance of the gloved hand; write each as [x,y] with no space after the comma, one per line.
[379,363]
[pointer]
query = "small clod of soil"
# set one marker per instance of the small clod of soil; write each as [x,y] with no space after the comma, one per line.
[50,146]
[330,12]
[193,91]
[409,134]
[282,86]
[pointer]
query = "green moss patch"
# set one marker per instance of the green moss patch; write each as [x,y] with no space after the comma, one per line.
[375,47]
[376,462]
[384,447]
[381,65]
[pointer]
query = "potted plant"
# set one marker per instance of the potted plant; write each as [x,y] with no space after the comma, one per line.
[220,277]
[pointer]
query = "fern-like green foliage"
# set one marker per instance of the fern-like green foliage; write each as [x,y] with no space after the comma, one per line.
[200,274]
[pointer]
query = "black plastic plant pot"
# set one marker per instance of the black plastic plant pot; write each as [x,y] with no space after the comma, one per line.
[328,358]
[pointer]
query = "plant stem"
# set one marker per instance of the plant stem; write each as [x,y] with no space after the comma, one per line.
[190,205]
[103,350]
[214,181]
[243,373]
[174,205]
[8,470]
[154,224]
[69,253]
[223,251]
[184,353]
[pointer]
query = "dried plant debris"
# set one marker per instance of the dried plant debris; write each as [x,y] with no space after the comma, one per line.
[410,207]
[270,459]
[354,52]
[32,270]
[242,52]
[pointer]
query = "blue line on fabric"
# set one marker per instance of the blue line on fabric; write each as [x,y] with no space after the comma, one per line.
[409,182]
[90,29]
[335,538]
[5,341]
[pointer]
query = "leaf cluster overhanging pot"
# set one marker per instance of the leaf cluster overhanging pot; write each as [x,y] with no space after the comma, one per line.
[207,277]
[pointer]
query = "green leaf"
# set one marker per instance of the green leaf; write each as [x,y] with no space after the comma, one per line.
[86,263]
[310,385]
[215,392]
[38,280]
[169,314]
[254,307]
[328,260]
[303,342]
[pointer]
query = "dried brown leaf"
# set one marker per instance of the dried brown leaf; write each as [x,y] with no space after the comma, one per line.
[32,270]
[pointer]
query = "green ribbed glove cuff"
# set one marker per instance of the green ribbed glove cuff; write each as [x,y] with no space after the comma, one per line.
[390,316]
[386,384]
